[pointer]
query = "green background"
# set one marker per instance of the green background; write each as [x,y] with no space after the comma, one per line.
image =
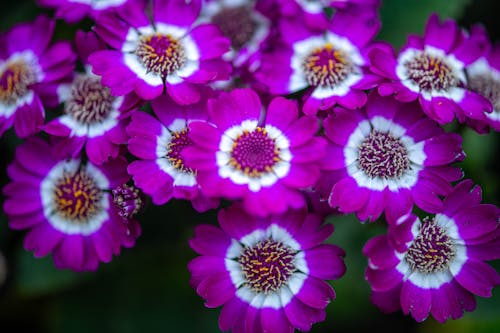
[146,288]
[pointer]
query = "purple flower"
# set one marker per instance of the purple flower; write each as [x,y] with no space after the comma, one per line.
[387,156]
[29,71]
[159,142]
[92,116]
[263,160]
[436,264]
[73,11]
[331,64]
[67,207]
[242,23]
[431,69]
[484,78]
[168,53]
[267,273]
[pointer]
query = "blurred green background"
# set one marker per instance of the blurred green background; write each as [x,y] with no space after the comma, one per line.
[146,288]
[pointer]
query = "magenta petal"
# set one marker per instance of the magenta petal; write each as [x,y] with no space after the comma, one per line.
[387,301]
[282,112]
[301,315]
[415,301]
[204,266]
[274,320]
[325,261]
[478,277]
[348,196]
[401,204]
[379,252]
[184,93]
[205,135]
[70,254]
[315,293]
[42,239]
[29,118]
[177,12]
[216,289]
[383,280]
[446,303]
[232,312]
[209,240]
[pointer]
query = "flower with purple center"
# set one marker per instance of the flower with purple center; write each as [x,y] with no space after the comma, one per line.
[436,265]
[242,23]
[167,53]
[264,159]
[330,65]
[74,11]
[67,207]
[267,273]
[92,118]
[386,157]
[484,78]
[158,142]
[29,65]
[432,70]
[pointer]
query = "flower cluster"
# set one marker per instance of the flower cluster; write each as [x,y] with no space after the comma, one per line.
[281,115]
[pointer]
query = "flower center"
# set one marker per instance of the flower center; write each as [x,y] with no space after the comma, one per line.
[127,200]
[90,101]
[77,196]
[267,265]
[327,66]
[178,141]
[488,86]
[161,54]
[254,152]
[237,24]
[382,155]
[431,72]
[15,79]
[432,250]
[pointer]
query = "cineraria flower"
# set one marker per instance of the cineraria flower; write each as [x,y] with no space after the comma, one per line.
[387,156]
[167,53]
[432,69]
[92,116]
[436,264]
[484,78]
[241,22]
[331,64]
[263,160]
[67,207]
[159,142]
[267,273]
[28,66]
[73,11]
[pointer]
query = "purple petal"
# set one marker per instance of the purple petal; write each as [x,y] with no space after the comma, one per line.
[478,277]
[315,293]
[203,267]
[209,240]
[348,196]
[379,252]
[216,289]
[325,261]
[42,239]
[415,301]
[232,312]
[275,320]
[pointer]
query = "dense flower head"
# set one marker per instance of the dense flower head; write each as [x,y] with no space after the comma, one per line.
[92,118]
[331,65]
[432,69]
[267,273]
[167,52]
[29,65]
[435,265]
[387,157]
[66,206]
[158,143]
[261,157]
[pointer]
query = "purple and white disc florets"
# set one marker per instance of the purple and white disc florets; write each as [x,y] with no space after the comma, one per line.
[266,273]
[431,265]
[263,159]
[67,207]
[432,70]
[170,54]
[387,157]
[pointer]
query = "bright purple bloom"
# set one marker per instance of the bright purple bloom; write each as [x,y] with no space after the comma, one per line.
[436,265]
[242,23]
[92,118]
[73,11]
[267,273]
[484,78]
[169,53]
[387,156]
[331,64]
[431,69]
[265,160]
[158,142]
[67,207]
[29,69]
